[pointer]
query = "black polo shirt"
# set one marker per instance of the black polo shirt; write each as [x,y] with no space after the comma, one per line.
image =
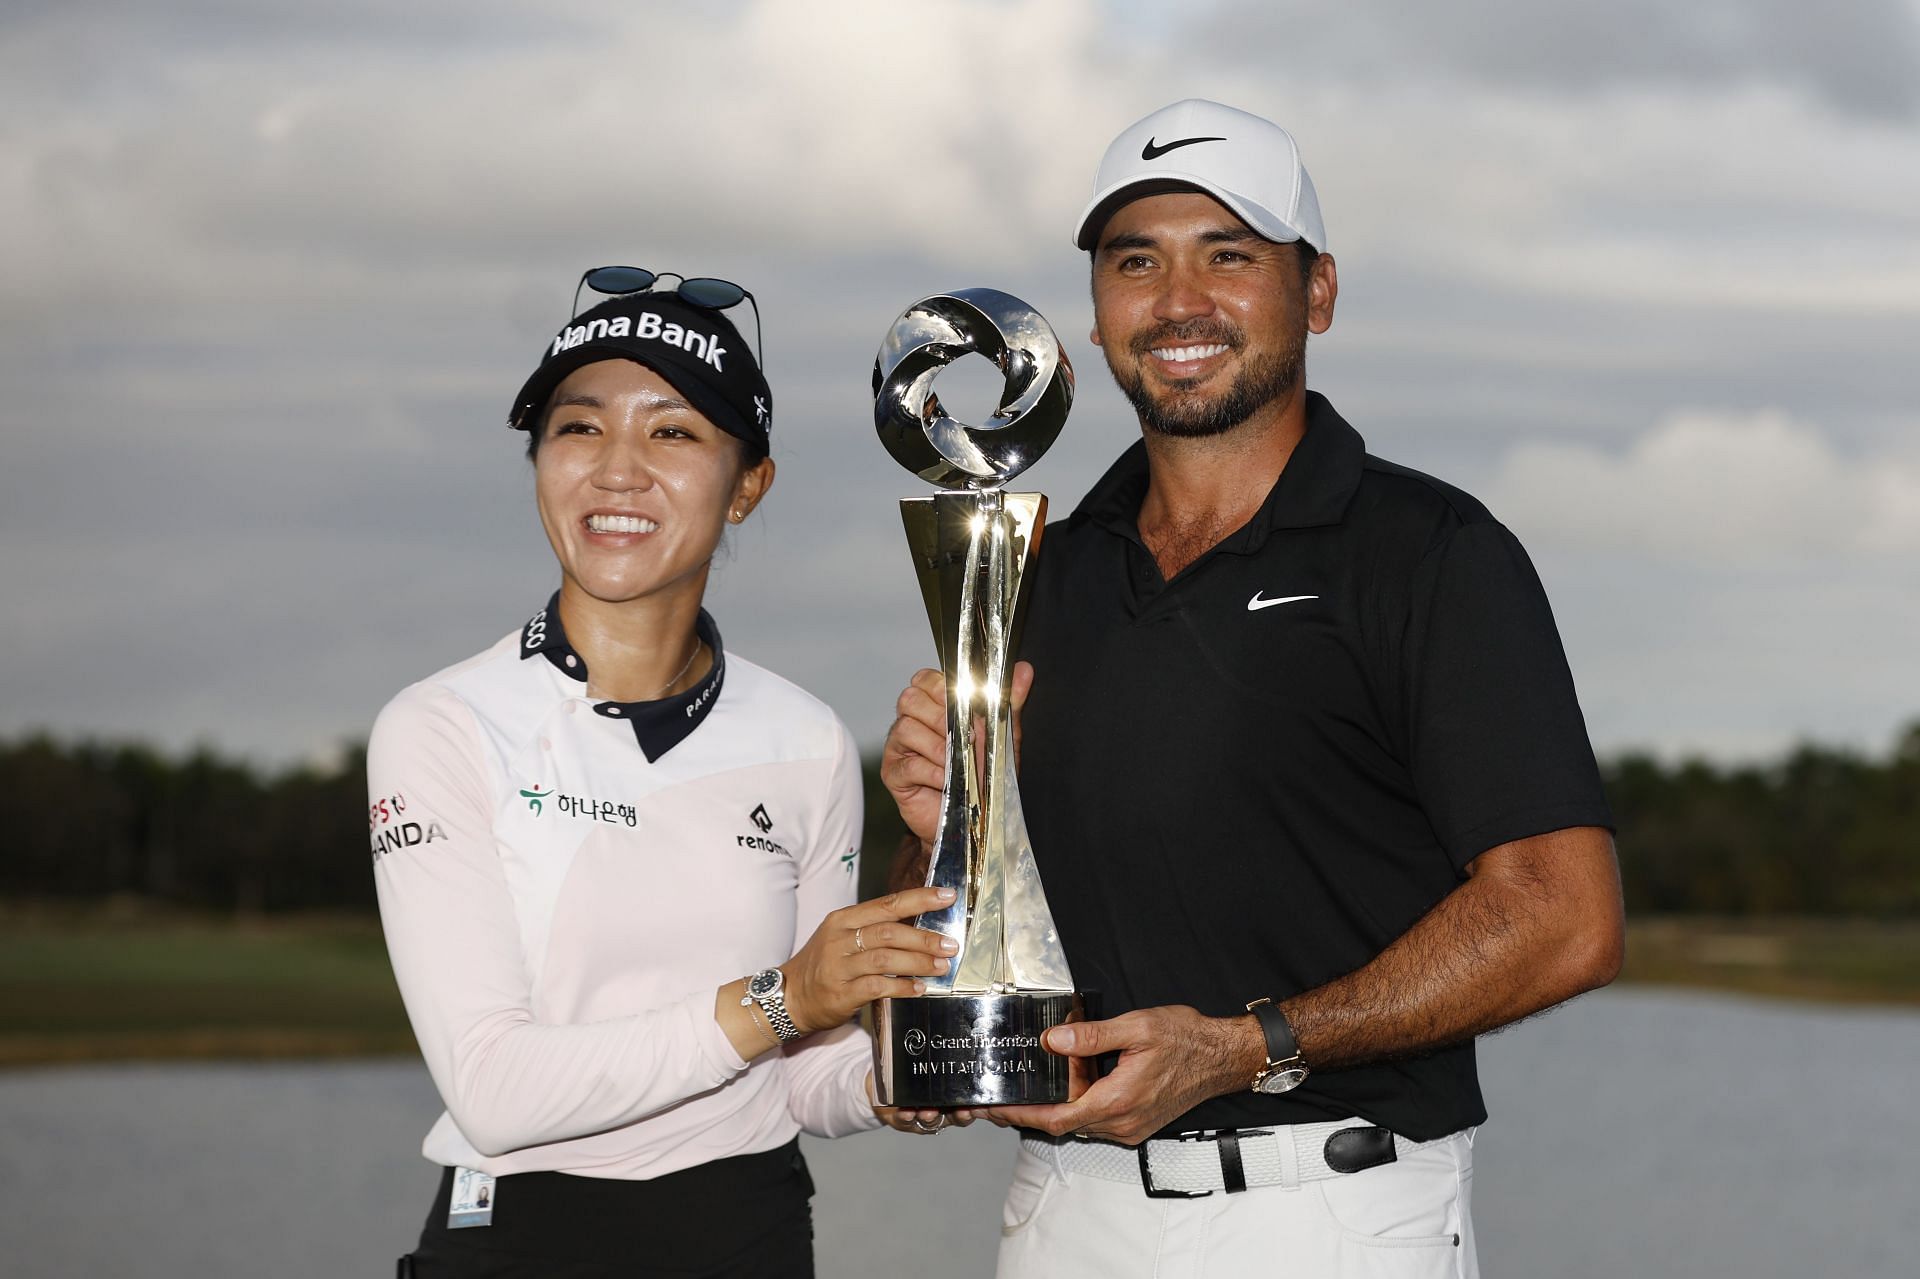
[1251,779]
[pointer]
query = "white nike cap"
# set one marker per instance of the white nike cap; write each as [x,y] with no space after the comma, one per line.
[1248,164]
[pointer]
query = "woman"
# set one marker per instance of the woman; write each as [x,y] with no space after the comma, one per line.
[588,838]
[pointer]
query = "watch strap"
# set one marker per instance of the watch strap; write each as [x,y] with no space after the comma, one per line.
[1281,1045]
[759,1020]
[775,1007]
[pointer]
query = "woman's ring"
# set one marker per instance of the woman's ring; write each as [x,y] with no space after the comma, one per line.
[921,1125]
[858,944]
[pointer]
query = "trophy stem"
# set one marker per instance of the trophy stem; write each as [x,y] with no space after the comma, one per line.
[972,551]
[981,696]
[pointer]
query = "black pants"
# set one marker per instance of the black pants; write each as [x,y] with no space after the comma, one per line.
[745,1217]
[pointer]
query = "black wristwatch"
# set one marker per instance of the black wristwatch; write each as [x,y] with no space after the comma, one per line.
[1286,1069]
[767,989]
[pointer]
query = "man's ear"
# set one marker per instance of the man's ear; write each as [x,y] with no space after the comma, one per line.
[1323,289]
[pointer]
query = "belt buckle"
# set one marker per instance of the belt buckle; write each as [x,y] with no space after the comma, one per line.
[1146,1172]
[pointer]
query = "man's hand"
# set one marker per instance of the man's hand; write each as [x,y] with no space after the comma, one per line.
[1171,1060]
[913,763]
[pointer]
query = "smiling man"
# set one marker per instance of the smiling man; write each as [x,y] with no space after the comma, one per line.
[1303,768]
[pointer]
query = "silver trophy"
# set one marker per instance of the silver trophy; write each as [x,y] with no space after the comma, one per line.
[974,1038]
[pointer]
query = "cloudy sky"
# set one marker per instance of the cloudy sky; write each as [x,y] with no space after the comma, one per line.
[1644,277]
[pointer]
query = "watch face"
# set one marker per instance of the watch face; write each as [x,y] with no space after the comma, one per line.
[763,984]
[1283,1080]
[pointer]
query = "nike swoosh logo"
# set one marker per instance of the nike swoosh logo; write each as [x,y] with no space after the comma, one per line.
[1152,152]
[1255,604]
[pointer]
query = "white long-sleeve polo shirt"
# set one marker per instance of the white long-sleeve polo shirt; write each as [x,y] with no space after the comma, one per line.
[564,883]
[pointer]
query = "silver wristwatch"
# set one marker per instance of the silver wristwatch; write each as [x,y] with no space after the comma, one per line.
[767,988]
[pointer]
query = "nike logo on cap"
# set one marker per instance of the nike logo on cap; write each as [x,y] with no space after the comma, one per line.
[1255,604]
[1152,152]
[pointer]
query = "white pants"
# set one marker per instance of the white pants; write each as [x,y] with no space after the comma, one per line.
[1409,1219]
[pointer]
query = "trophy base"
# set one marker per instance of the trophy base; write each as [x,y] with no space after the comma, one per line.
[970,1050]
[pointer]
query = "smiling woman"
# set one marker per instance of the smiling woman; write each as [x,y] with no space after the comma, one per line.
[626,836]
[635,487]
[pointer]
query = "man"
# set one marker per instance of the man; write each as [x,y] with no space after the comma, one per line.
[1302,764]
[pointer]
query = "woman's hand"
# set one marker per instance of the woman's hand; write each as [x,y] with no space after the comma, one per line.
[923,1123]
[865,952]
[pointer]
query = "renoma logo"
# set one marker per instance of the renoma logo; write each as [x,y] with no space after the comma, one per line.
[647,324]
[914,1041]
[763,823]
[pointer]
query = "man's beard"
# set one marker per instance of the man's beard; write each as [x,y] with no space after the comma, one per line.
[1263,381]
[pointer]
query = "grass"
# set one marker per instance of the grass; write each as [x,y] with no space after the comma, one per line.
[110,984]
[121,982]
[1832,960]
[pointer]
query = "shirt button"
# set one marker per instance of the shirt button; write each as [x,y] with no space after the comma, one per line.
[546,743]
[570,706]
[572,661]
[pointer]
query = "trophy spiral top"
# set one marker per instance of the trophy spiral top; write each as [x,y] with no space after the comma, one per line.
[933,333]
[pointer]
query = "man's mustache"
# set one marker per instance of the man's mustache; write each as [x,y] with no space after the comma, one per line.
[1192,333]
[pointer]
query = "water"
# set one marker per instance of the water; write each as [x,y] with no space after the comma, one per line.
[1634,1133]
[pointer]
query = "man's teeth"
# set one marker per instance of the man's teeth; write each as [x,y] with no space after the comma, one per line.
[1174,354]
[620,524]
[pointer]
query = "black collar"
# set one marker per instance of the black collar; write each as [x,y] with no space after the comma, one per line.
[658,726]
[1313,490]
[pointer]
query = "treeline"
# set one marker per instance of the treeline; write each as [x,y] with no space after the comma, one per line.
[89,820]
[1822,832]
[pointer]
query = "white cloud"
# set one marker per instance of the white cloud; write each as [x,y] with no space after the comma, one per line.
[1753,490]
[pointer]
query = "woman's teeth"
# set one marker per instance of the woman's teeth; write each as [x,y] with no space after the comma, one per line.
[620,524]
[1176,354]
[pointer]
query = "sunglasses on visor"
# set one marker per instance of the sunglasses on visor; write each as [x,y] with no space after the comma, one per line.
[701,291]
